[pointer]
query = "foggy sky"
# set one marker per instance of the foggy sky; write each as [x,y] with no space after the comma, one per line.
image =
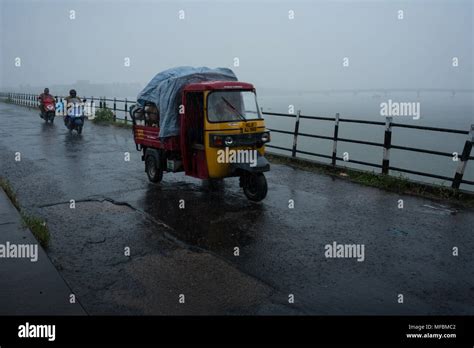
[301,54]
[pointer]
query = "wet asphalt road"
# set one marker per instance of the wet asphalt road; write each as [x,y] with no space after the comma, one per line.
[190,251]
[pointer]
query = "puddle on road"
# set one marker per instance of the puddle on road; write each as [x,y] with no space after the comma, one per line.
[439,209]
[212,220]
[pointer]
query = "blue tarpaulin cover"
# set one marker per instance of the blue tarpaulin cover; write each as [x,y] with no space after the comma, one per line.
[164,90]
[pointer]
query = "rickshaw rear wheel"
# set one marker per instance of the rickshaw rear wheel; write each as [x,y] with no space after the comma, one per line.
[153,170]
[255,186]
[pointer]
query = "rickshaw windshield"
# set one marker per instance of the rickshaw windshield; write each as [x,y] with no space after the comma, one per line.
[225,106]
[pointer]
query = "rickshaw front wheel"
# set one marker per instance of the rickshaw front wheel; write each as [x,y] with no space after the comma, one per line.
[153,170]
[255,186]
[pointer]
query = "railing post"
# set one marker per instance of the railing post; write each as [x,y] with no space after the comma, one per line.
[91,108]
[387,144]
[295,135]
[466,153]
[115,107]
[126,110]
[334,144]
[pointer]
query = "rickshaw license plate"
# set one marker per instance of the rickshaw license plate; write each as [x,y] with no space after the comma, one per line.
[250,127]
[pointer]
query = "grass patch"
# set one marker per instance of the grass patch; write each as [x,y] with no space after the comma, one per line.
[36,225]
[398,184]
[104,115]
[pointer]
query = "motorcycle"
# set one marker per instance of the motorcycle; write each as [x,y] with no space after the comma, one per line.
[75,120]
[49,110]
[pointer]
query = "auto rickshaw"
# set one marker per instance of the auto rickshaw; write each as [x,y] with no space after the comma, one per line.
[221,134]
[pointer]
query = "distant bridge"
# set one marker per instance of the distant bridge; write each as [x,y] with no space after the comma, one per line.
[387,91]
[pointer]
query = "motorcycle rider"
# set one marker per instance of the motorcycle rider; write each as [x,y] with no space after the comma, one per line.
[70,101]
[42,97]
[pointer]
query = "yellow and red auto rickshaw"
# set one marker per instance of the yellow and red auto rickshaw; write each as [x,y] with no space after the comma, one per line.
[221,134]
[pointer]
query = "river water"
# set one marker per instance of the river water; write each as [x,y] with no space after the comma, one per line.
[436,110]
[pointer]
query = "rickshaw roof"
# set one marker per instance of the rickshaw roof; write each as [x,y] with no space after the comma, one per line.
[164,90]
[220,85]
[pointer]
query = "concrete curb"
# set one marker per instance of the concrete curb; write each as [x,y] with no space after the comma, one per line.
[27,287]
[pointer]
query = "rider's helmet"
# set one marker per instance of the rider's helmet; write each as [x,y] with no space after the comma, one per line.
[46,91]
[72,93]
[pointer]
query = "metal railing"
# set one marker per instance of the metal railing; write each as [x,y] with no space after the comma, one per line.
[387,145]
[30,100]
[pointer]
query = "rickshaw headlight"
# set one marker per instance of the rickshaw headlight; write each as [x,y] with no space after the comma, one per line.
[265,137]
[228,141]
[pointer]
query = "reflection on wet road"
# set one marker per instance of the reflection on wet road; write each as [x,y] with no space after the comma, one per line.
[192,251]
